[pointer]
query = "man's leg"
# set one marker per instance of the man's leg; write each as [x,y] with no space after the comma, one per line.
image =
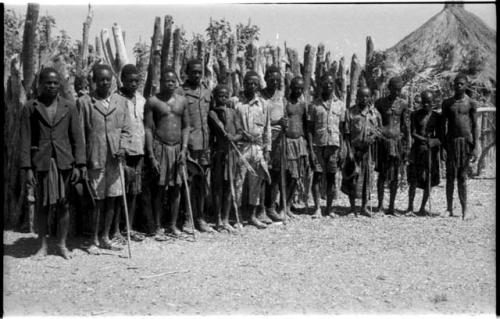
[411,196]
[96,217]
[272,196]
[380,191]
[175,197]
[43,214]
[364,195]
[393,188]
[226,208]
[63,229]
[108,221]
[315,191]
[450,181]
[198,200]
[157,194]
[261,209]
[331,190]
[291,184]
[462,191]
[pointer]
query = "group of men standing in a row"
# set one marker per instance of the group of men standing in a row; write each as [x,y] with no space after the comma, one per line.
[242,151]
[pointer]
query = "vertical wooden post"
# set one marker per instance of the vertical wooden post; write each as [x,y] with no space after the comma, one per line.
[308,69]
[176,52]
[369,49]
[121,52]
[342,74]
[29,44]
[233,82]
[293,57]
[167,36]
[85,38]
[320,62]
[152,77]
[355,72]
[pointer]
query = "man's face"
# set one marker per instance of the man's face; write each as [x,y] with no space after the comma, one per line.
[103,80]
[50,84]
[297,88]
[427,101]
[251,84]
[328,85]
[395,91]
[167,83]
[221,97]
[194,75]
[364,97]
[273,80]
[131,82]
[460,85]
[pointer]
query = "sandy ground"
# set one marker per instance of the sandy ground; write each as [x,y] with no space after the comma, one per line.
[343,265]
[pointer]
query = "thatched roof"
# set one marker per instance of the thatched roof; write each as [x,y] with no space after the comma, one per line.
[454,40]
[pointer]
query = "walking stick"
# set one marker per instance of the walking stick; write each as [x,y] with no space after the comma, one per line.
[122,182]
[188,199]
[233,195]
[430,174]
[370,176]
[283,174]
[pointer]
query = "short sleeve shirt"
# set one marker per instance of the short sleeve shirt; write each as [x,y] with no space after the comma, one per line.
[325,118]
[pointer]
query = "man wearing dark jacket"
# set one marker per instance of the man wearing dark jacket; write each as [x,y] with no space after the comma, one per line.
[52,153]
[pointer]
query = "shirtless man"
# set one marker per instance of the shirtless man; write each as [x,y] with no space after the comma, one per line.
[53,155]
[274,101]
[295,117]
[166,124]
[225,159]
[391,148]
[326,122]
[460,141]
[425,133]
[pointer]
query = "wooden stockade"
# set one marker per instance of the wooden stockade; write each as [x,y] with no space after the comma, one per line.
[226,63]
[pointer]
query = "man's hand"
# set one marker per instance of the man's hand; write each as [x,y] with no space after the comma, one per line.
[231,137]
[443,155]
[30,178]
[267,157]
[75,175]
[155,165]
[283,122]
[83,173]
[182,156]
[120,154]
[475,152]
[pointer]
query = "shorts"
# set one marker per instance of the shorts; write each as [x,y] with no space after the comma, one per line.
[167,156]
[133,174]
[326,159]
[105,182]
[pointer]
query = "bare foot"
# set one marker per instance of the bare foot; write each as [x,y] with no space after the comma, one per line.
[467,216]
[64,252]
[451,214]
[41,253]
[93,250]
[107,244]
[316,214]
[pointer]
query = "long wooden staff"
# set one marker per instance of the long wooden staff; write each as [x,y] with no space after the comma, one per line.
[429,166]
[125,207]
[233,194]
[188,199]
[283,174]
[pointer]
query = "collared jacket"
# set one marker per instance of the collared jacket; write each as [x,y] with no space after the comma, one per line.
[363,126]
[103,128]
[324,121]
[136,113]
[198,107]
[254,119]
[61,138]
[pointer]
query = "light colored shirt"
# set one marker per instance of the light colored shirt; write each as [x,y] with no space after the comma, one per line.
[325,118]
[255,119]
[136,112]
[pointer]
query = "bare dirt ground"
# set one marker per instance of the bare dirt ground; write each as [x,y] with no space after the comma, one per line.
[343,265]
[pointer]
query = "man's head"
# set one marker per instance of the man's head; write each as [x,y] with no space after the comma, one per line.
[251,83]
[460,84]
[327,84]
[297,86]
[364,95]
[426,98]
[102,76]
[395,86]
[221,95]
[194,70]
[273,78]
[49,82]
[130,77]
[168,81]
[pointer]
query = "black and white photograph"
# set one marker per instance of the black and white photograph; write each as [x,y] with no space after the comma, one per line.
[249,159]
